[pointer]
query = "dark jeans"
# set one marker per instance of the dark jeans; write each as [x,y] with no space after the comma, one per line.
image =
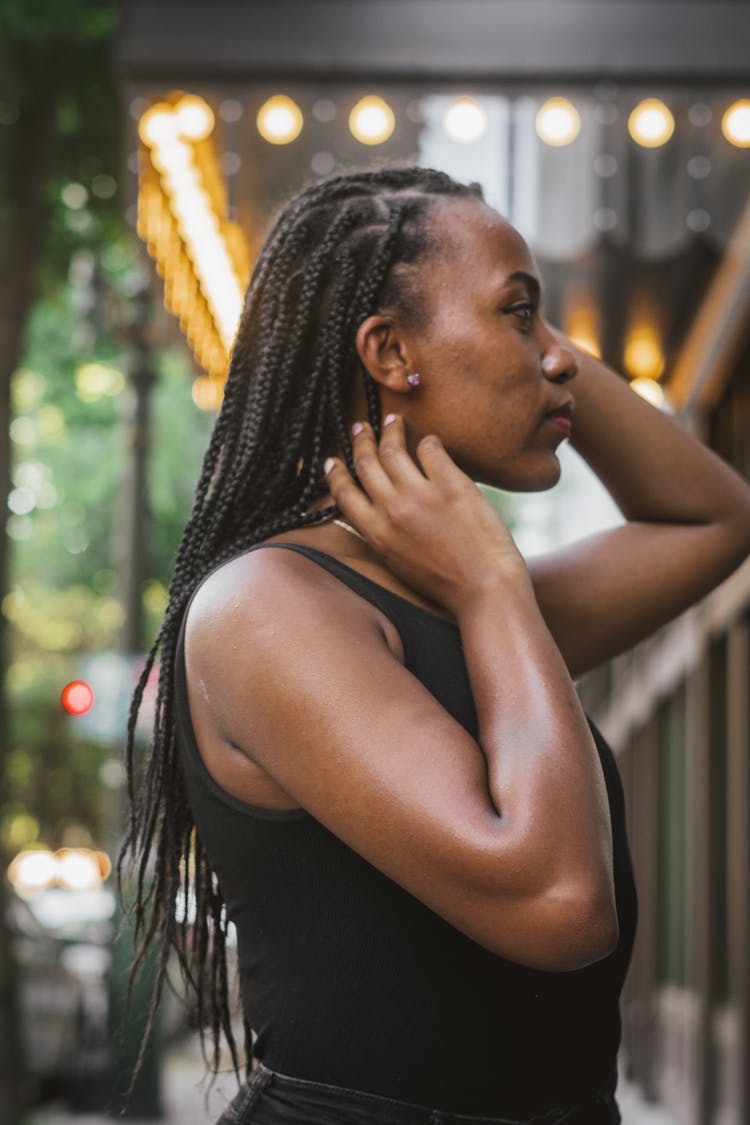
[270,1098]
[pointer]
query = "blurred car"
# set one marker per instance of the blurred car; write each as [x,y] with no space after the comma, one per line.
[62,956]
[49,1000]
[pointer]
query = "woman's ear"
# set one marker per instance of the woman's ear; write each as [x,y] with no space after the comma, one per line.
[384,353]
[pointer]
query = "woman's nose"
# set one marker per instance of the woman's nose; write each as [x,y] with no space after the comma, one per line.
[559,364]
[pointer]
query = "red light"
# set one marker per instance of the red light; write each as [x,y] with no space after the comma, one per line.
[77,697]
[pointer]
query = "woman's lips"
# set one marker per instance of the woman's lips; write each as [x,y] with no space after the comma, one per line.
[562,420]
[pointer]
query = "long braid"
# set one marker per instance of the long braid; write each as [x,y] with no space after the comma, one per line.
[331,259]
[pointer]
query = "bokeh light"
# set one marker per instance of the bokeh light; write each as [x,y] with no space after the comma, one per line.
[735,124]
[652,391]
[97,380]
[558,122]
[77,697]
[75,869]
[158,125]
[207,392]
[371,121]
[643,356]
[651,124]
[32,871]
[465,121]
[195,119]
[280,120]
[78,869]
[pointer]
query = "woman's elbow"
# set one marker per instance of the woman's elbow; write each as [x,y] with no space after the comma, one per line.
[586,930]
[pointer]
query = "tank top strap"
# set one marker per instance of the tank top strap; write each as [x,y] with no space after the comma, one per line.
[393,605]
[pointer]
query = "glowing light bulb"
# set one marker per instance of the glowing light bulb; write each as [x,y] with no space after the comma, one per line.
[195,119]
[184,232]
[158,125]
[643,355]
[735,124]
[280,120]
[207,393]
[172,157]
[371,121]
[651,124]
[587,341]
[558,122]
[582,325]
[465,121]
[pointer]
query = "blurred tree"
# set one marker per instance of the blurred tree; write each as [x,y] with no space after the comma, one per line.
[41,48]
[68,271]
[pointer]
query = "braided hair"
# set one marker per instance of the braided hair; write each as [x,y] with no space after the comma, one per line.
[339,251]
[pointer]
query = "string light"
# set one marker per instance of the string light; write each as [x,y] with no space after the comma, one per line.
[280,120]
[735,124]
[195,118]
[582,325]
[207,393]
[465,121]
[202,256]
[158,125]
[371,121]
[651,124]
[558,122]
[643,355]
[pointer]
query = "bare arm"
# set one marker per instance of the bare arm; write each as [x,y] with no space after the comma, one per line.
[507,838]
[688,524]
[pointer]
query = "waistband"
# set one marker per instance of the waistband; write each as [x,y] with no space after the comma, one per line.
[283,1099]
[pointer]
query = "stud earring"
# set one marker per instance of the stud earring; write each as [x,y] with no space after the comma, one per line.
[414,380]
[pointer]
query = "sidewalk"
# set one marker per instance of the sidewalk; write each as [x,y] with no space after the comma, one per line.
[187,1101]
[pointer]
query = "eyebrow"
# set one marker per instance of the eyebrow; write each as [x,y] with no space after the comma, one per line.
[527,279]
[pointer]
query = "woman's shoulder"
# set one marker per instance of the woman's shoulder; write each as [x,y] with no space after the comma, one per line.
[269,587]
[256,578]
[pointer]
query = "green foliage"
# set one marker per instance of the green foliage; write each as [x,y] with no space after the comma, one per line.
[181,434]
[70,455]
[38,22]
[70,400]
[59,122]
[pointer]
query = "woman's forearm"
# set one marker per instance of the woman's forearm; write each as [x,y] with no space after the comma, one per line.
[654,470]
[544,775]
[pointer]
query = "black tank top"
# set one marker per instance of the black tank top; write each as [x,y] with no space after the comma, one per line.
[348,979]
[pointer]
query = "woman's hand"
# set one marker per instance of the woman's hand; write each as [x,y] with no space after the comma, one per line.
[433,527]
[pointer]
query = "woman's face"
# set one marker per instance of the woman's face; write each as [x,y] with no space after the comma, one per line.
[492,372]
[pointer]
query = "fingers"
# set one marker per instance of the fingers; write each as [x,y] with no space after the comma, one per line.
[358,504]
[347,496]
[395,457]
[437,463]
[385,466]
[371,473]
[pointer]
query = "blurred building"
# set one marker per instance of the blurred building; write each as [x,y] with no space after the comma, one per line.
[616,135]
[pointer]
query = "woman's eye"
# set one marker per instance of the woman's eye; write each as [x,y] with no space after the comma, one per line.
[524,312]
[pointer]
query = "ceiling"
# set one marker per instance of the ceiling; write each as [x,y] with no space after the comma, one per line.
[625,236]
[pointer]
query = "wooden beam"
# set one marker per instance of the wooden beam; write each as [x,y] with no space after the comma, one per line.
[719,331]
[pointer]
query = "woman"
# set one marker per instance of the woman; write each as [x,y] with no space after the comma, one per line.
[366,705]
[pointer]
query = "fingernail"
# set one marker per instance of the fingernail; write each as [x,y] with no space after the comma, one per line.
[357,428]
[328,465]
[388,419]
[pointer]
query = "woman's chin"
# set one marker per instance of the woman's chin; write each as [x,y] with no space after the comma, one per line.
[544,473]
